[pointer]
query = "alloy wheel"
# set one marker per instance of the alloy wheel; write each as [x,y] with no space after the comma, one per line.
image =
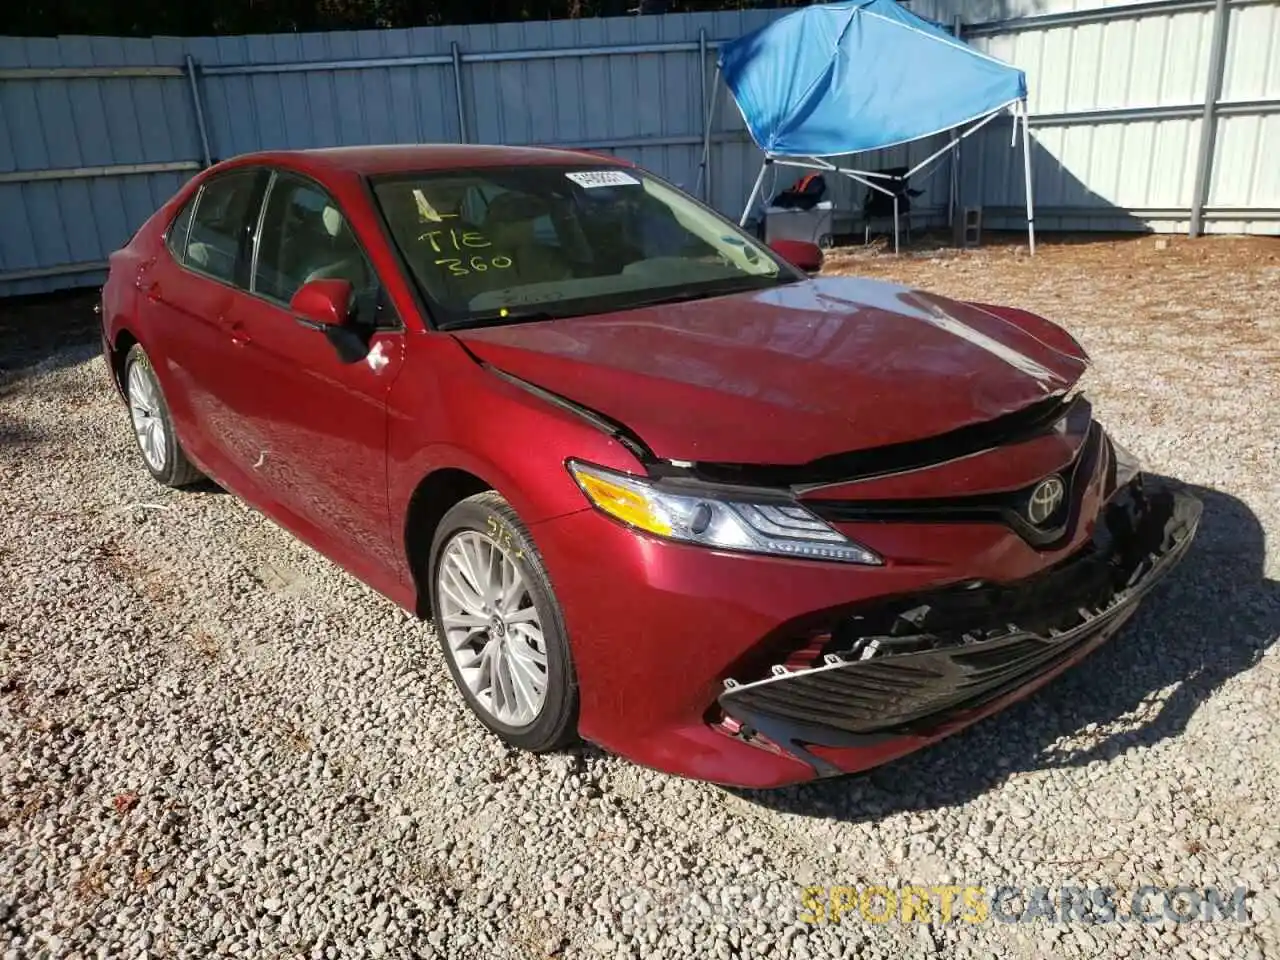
[491,628]
[148,424]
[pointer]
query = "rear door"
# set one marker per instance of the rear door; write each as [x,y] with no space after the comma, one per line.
[318,414]
[187,295]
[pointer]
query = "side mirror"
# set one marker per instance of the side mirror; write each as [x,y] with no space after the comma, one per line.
[800,253]
[322,304]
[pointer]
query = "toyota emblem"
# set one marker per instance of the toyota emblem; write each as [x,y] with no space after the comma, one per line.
[1045,499]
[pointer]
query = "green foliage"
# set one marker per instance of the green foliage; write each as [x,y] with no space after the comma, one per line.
[178,18]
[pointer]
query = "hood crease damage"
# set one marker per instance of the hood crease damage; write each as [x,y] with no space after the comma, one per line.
[836,468]
[796,377]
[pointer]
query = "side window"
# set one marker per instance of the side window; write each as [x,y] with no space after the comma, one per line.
[176,238]
[305,237]
[221,223]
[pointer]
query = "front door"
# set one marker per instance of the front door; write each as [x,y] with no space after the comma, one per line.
[318,414]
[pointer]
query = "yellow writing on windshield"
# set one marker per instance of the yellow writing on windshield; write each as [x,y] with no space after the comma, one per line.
[441,240]
[425,210]
[461,267]
[457,240]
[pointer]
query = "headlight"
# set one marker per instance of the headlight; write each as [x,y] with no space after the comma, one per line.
[779,527]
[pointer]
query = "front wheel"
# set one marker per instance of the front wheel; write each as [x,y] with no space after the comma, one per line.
[500,626]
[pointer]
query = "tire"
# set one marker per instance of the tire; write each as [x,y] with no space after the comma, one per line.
[152,423]
[487,519]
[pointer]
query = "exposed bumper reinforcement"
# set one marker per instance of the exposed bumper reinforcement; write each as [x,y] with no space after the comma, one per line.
[887,686]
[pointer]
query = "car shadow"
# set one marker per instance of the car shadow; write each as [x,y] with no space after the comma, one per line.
[1210,620]
[205,486]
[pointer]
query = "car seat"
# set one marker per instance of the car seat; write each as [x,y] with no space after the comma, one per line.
[512,225]
[339,249]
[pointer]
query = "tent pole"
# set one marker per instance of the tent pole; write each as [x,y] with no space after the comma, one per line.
[921,176]
[704,168]
[855,175]
[953,185]
[953,168]
[820,163]
[755,192]
[895,225]
[1026,170]
[953,144]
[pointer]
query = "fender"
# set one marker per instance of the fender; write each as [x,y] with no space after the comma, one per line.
[516,433]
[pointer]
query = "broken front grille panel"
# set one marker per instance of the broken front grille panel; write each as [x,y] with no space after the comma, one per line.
[908,664]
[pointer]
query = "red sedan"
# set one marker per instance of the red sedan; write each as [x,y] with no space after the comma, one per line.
[656,486]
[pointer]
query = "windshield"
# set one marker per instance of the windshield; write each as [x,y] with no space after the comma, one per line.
[499,245]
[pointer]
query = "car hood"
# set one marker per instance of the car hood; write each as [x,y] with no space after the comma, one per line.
[793,373]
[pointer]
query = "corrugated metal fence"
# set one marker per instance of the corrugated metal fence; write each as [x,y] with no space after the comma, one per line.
[1152,114]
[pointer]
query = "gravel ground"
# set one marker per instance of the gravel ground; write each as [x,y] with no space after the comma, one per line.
[214,741]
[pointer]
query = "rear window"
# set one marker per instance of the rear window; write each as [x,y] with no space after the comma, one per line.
[176,238]
[221,224]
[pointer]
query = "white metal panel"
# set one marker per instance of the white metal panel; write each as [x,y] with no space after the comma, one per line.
[1253,53]
[980,11]
[1155,61]
[1246,167]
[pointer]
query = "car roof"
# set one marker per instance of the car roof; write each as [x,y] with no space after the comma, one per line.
[409,157]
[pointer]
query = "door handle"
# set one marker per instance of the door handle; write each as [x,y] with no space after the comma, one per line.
[239,335]
[152,291]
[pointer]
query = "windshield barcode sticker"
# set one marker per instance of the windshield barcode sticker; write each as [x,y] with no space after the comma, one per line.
[603,178]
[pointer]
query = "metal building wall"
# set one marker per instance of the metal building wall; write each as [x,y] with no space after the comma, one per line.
[1118,116]
[1246,159]
[627,86]
[96,132]
[57,132]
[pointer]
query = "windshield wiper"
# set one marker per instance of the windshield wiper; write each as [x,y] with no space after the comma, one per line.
[705,294]
[533,314]
[502,316]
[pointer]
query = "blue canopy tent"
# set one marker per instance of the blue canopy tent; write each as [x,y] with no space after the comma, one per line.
[836,79]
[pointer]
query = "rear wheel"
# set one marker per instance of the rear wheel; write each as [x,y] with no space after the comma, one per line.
[152,424]
[500,626]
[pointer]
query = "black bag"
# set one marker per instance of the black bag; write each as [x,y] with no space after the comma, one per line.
[804,194]
[878,204]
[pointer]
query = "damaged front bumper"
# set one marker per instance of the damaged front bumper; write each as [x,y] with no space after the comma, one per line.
[915,665]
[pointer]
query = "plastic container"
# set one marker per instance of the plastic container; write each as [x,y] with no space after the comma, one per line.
[813,226]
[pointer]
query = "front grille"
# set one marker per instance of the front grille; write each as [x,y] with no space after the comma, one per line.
[1008,508]
[1046,603]
[907,664]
